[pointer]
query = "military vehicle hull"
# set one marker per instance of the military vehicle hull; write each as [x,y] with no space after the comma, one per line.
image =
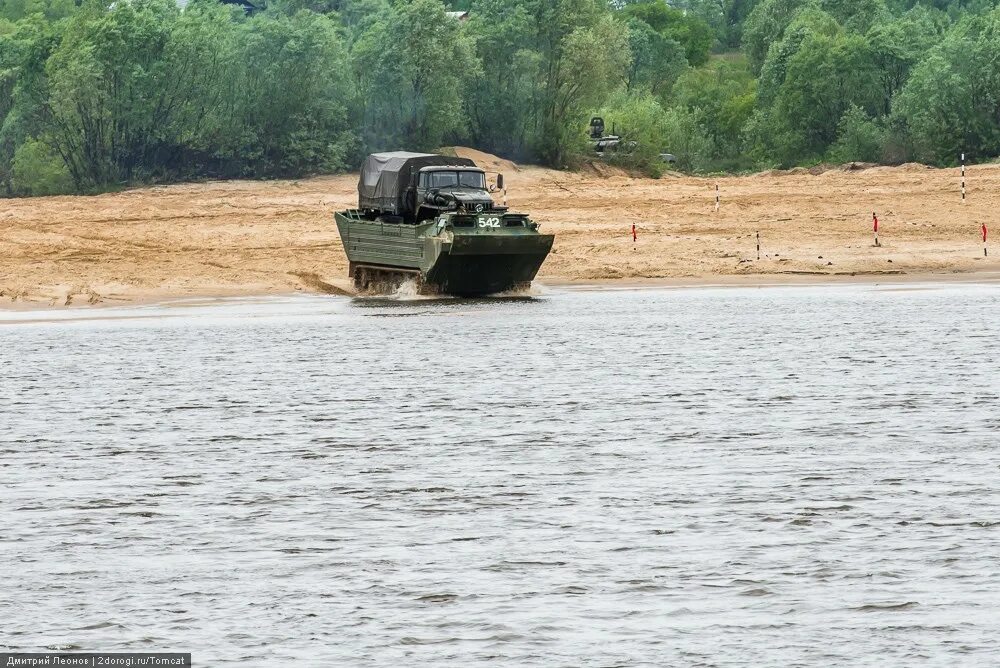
[460,255]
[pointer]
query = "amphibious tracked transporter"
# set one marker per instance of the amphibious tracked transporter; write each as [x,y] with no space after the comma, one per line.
[431,218]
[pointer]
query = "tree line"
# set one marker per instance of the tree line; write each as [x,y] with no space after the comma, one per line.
[96,94]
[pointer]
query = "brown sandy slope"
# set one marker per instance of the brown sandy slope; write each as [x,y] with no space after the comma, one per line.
[250,237]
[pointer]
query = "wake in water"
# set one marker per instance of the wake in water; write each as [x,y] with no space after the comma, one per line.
[524,291]
[412,290]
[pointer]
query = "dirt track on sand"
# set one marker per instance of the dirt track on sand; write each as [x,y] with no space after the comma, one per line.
[267,237]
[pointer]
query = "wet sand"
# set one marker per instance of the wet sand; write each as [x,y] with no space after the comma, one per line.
[237,238]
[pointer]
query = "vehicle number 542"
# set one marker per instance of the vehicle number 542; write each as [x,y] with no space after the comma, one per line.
[489,222]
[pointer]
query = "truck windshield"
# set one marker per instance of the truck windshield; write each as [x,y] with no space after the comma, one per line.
[461,179]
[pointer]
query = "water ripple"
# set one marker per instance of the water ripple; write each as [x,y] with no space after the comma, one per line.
[781,477]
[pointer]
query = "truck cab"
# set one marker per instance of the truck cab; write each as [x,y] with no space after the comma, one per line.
[443,188]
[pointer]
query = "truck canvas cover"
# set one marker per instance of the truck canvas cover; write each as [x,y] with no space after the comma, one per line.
[387,177]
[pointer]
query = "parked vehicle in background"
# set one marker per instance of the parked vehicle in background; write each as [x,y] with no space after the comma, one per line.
[606,145]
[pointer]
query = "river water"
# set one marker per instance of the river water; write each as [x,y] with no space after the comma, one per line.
[801,476]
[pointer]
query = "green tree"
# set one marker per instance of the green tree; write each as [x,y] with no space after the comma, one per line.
[692,32]
[106,79]
[139,90]
[735,13]
[15,10]
[722,96]
[857,15]
[23,86]
[503,99]
[37,170]
[712,13]
[859,138]
[359,15]
[412,65]
[289,113]
[687,140]
[656,61]
[951,103]
[591,63]
[827,76]
[766,25]
[896,46]
[142,91]
[808,21]
[547,66]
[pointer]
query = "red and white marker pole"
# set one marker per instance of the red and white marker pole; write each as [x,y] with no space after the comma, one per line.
[875,226]
[634,236]
[984,240]
[758,245]
[717,198]
[963,178]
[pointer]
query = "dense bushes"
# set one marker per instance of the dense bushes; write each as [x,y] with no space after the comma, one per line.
[38,170]
[112,92]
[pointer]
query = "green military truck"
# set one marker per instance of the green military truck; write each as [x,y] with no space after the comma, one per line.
[432,219]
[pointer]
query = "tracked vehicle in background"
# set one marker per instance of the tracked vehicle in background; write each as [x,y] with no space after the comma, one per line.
[607,146]
[431,218]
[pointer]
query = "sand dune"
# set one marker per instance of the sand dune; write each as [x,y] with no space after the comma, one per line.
[265,237]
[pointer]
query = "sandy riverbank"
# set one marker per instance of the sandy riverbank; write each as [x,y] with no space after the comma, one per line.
[257,238]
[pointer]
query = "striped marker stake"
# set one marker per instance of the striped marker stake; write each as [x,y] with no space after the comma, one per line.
[984,240]
[634,236]
[963,178]
[875,225]
[758,245]
[717,198]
